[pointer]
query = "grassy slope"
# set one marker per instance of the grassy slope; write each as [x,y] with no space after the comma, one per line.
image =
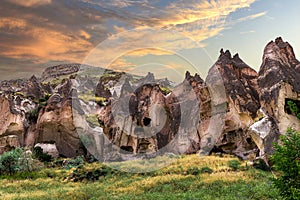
[172,182]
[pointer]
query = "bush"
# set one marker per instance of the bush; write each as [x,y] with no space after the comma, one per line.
[18,160]
[261,164]
[74,162]
[40,155]
[193,170]
[294,108]
[234,164]
[85,174]
[9,161]
[286,159]
[206,170]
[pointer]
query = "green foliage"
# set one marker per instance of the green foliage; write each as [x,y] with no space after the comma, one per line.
[74,162]
[294,108]
[9,161]
[261,164]
[86,174]
[286,159]
[101,101]
[206,170]
[195,170]
[18,160]
[234,164]
[92,119]
[165,90]
[40,155]
[171,182]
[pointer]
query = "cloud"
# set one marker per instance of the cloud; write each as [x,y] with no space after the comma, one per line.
[84,34]
[247,32]
[121,64]
[40,43]
[251,17]
[56,30]
[12,23]
[138,43]
[30,3]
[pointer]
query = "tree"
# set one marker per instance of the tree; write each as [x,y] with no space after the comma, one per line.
[286,159]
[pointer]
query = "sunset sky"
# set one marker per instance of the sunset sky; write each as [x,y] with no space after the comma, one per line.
[163,36]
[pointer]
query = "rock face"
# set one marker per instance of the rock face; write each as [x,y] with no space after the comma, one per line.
[240,103]
[132,121]
[13,121]
[235,110]
[55,122]
[59,70]
[101,91]
[189,103]
[35,113]
[264,132]
[279,81]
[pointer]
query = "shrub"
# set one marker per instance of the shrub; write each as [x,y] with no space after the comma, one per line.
[261,164]
[286,159]
[9,161]
[74,162]
[234,164]
[40,155]
[206,170]
[85,174]
[18,160]
[193,170]
[294,108]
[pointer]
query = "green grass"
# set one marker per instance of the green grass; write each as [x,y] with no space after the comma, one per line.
[171,182]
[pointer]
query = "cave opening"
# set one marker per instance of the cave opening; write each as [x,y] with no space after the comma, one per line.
[146,121]
[127,149]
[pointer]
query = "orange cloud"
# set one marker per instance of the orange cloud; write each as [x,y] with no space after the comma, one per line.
[12,23]
[120,64]
[42,43]
[84,34]
[31,3]
[69,34]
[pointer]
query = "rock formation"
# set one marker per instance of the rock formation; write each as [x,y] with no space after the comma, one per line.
[235,110]
[239,103]
[279,82]
[60,70]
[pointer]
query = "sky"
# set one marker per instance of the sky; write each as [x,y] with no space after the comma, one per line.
[166,37]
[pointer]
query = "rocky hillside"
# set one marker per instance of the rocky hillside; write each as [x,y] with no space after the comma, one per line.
[82,110]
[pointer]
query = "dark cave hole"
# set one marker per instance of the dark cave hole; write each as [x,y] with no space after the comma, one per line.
[146,121]
[127,149]
[250,141]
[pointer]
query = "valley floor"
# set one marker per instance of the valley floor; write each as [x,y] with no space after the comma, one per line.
[189,177]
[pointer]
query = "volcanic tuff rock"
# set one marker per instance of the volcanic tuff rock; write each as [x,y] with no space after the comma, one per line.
[59,70]
[55,122]
[235,110]
[279,81]
[239,103]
